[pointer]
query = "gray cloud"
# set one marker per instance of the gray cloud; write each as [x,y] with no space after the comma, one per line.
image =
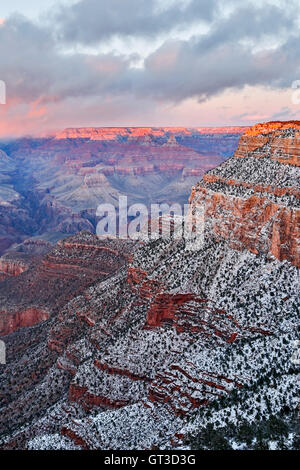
[284,113]
[34,68]
[33,63]
[252,24]
[90,21]
[225,65]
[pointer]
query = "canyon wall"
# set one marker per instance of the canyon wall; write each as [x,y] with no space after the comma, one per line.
[252,200]
[31,293]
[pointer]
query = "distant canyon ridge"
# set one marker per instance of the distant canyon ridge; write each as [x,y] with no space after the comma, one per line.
[51,187]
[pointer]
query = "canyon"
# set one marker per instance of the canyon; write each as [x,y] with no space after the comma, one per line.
[29,293]
[147,344]
[51,187]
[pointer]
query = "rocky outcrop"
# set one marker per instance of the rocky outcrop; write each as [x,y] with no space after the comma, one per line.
[279,141]
[121,372]
[252,200]
[20,257]
[188,385]
[11,267]
[63,273]
[14,320]
[89,400]
[189,312]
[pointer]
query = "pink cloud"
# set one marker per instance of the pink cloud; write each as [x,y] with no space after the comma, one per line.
[241,107]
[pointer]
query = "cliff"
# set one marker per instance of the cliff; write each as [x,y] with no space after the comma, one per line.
[132,133]
[48,283]
[252,200]
[276,140]
[12,266]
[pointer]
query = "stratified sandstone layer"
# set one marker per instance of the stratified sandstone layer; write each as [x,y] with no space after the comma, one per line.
[11,267]
[111,133]
[14,320]
[64,272]
[279,140]
[253,199]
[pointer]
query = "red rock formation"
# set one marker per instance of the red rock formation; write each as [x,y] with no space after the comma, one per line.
[110,133]
[71,266]
[88,400]
[14,320]
[135,275]
[142,286]
[165,306]
[79,441]
[10,267]
[258,216]
[245,224]
[117,371]
[186,390]
[283,146]
[190,312]
[139,151]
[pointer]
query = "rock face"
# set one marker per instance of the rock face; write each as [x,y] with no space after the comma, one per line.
[133,133]
[252,200]
[20,257]
[281,141]
[11,267]
[12,321]
[173,339]
[46,285]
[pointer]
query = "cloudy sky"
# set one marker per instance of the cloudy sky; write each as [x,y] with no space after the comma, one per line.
[147,63]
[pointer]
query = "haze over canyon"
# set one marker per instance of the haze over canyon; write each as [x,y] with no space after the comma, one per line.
[52,187]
